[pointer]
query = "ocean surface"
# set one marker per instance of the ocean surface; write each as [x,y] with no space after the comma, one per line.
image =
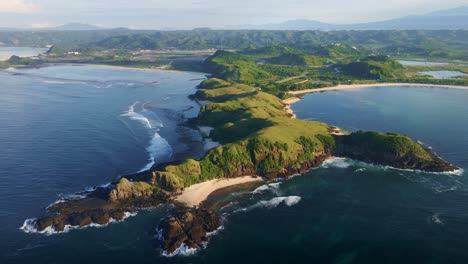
[66,128]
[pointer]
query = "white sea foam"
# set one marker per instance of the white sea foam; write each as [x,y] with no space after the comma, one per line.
[93,188]
[458,172]
[137,116]
[288,200]
[337,163]
[29,225]
[442,189]
[210,234]
[182,250]
[272,187]
[424,144]
[159,149]
[269,204]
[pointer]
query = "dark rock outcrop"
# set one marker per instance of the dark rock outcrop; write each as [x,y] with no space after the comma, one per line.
[189,227]
[81,219]
[96,208]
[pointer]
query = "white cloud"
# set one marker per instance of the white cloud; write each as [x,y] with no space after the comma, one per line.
[16,6]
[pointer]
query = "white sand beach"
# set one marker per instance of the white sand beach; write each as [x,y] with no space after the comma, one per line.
[361,86]
[195,194]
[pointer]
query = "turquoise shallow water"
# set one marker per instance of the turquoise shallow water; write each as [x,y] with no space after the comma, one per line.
[342,212]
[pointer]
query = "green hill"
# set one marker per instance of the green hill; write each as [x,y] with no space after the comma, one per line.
[231,66]
[294,59]
[374,67]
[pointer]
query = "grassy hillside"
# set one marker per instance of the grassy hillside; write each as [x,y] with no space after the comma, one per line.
[235,67]
[295,59]
[374,67]
[257,135]
[213,83]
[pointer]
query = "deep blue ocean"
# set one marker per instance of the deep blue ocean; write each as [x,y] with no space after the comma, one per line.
[68,128]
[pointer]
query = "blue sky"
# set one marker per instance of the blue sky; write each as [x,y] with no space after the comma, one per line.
[159,14]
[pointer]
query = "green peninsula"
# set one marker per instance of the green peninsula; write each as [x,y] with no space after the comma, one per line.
[257,136]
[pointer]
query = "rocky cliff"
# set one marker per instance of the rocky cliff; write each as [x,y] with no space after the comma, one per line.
[389,149]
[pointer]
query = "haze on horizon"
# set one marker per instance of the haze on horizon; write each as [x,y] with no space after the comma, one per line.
[188,14]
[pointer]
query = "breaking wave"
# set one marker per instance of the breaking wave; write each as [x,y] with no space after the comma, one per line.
[182,250]
[337,163]
[272,203]
[159,148]
[287,200]
[272,187]
[140,116]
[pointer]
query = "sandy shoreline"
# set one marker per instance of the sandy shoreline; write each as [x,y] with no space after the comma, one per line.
[197,193]
[287,105]
[127,67]
[361,86]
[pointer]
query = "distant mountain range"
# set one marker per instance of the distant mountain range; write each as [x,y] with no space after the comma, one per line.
[76,26]
[65,27]
[456,18]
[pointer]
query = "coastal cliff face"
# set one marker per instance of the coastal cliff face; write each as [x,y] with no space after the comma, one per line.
[257,137]
[389,149]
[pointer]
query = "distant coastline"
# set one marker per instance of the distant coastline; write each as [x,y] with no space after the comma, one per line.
[133,68]
[292,100]
[361,86]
